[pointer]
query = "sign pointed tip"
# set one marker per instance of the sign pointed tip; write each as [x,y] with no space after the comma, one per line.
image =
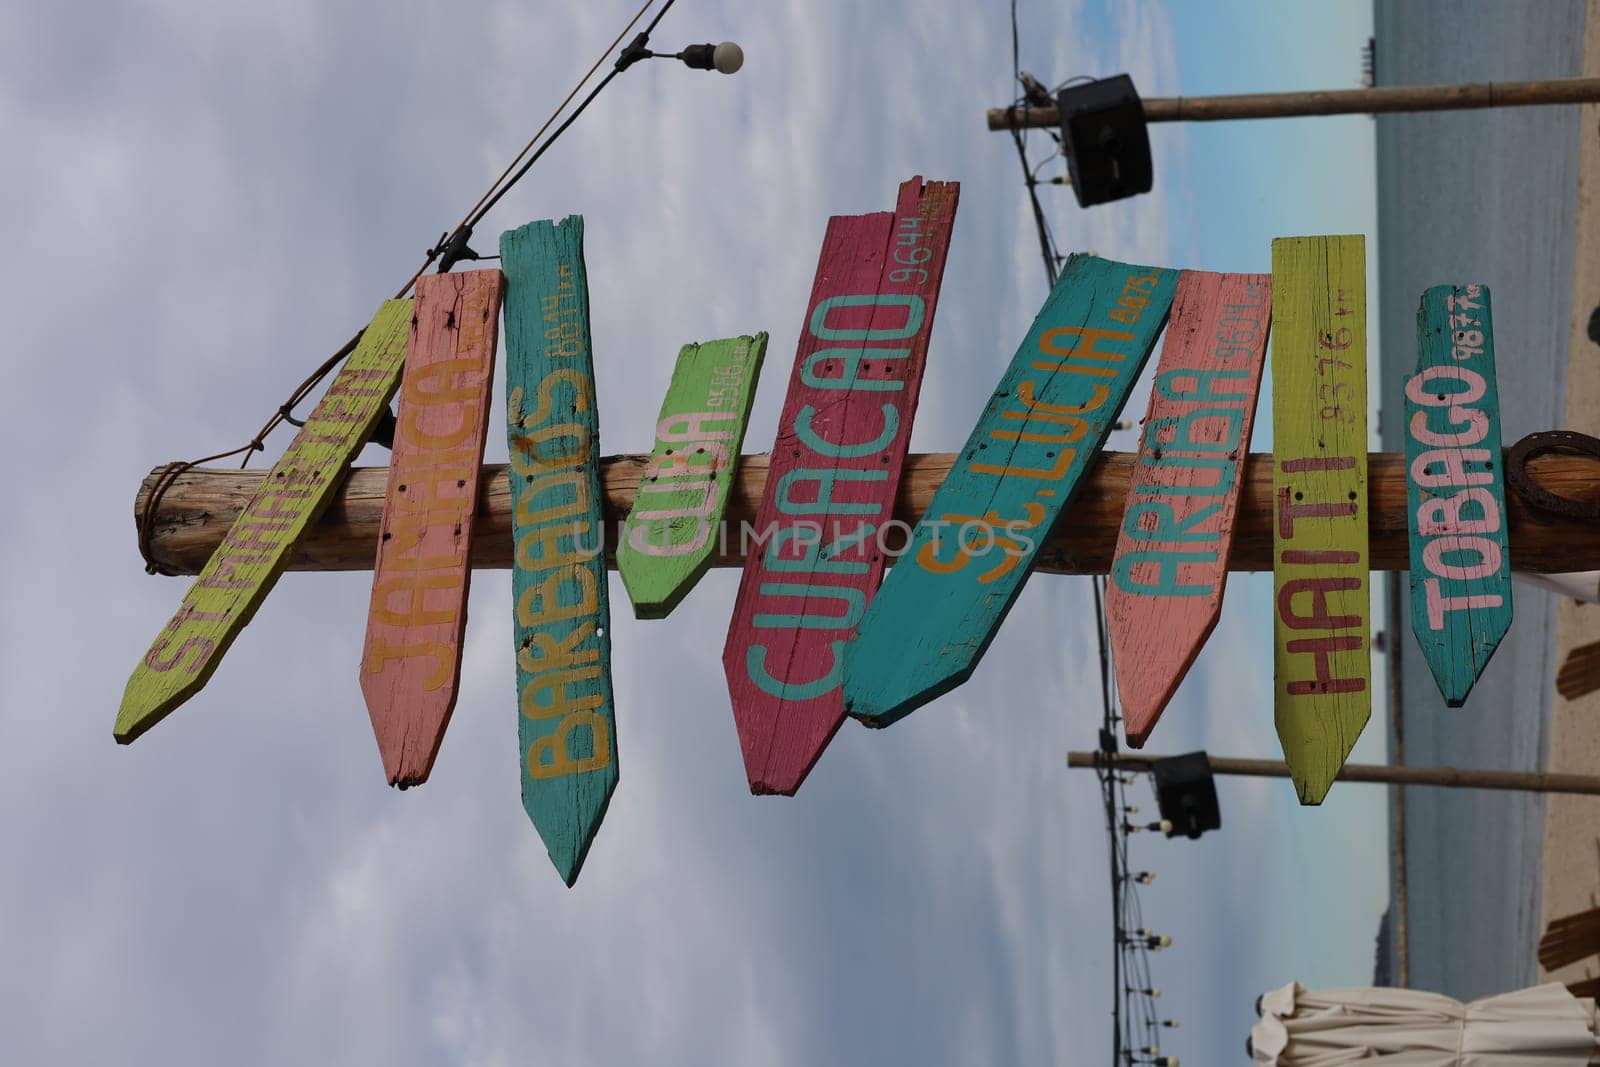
[785,779]
[134,718]
[569,873]
[1311,792]
[567,854]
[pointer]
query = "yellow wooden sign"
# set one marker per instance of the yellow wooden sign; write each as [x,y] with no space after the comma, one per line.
[245,567]
[1322,667]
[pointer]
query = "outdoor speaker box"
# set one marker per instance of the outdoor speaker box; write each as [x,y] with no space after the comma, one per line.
[1106,141]
[1187,794]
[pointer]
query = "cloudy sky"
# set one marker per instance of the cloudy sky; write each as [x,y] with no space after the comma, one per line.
[204,199]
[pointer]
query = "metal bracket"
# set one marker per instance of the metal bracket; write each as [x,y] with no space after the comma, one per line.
[1537,496]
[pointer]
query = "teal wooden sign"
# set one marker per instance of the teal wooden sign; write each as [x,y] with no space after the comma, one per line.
[944,599]
[567,724]
[675,525]
[1460,558]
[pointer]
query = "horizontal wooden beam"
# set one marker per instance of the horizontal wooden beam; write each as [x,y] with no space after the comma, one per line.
[1388,98]
[1382,773]
[197,510]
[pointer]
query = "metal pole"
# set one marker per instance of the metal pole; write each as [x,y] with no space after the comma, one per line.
[1332,102]
[1448,777]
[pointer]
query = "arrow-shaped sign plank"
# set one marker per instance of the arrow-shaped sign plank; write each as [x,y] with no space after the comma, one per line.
[1322,669]
[1165,590]
[568,726]
[411,663]
[1040,432]
[261,542]
[1460,554]
[675,526]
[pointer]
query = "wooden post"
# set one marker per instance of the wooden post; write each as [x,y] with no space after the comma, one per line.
[1331,102]
[195,513]
[1446,777]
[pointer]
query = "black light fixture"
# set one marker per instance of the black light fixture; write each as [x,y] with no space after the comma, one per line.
[1186,793]
[1105,139]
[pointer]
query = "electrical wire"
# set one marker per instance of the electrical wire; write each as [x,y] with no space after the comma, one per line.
[1135,1023]
[509,177]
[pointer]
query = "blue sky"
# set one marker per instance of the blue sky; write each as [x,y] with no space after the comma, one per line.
[205,199]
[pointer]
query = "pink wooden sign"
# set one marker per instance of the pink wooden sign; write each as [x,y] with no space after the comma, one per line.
[412,659]
[1164,593]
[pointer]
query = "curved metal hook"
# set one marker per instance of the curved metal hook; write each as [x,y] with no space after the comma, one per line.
[1537,496]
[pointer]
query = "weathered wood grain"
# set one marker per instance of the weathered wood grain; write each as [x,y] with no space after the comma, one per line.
[411,661]
[568,726]
[1322,668]
[673,528]
[1164,594]
[261,539]
[1461,600]
[1038,436]
[195,515]
[842,441]
[1460,556]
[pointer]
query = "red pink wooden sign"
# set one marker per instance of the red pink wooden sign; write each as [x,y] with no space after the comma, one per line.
[842,437]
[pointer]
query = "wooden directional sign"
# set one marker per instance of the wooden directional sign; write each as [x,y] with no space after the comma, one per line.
[942,603]
[1319,478]
[675,526]
[563,645]
[836,465]
[411,664]
[1165,590]
[1460,557]
[261,542]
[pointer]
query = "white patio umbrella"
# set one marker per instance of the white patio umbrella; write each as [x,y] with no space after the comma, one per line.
[1545,1026]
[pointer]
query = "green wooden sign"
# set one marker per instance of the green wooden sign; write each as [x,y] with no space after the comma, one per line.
[568,727]
[259,545]
[974,548]
[1456,494]
[674,527]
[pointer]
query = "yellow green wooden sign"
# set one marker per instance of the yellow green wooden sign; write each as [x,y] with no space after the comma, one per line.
[1322,670]
[262,540]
